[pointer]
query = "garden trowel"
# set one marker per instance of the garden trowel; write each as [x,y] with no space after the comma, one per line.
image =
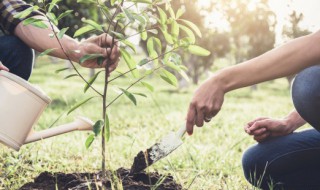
[158,151]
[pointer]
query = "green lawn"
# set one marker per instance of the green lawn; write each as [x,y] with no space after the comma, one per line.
[210,159]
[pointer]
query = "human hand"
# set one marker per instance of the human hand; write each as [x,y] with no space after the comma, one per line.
[2,67]
[206,103]
[101,44]
[263,128]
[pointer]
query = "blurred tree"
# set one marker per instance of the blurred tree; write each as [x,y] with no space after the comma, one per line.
[252,28]
[294,30]
[215,41]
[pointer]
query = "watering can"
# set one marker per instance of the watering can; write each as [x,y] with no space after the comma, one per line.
[21,105]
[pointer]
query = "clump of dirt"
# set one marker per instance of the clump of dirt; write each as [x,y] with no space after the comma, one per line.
[86,181]
[141,161]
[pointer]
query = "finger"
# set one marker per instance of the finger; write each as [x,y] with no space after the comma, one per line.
[2,67]
[263,137]
[199,118]
[115,52]
[258,132]
[103,40]
[258,125]
[190,119]
[113,66]
[246,129]
[257,119]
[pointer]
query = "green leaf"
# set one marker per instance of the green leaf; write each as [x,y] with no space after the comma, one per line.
[172,65]
[91,81]
[39,24]
[118,35]
[64,14]
[144,61]
[53,4]
[180,12]
[169,78]
[175,29]
[97,127]
[140,94]
[163,16]
[140,19]
[89,57]
[155,57]
[148,86]
[144,35]
[24,14]
[52,17]
[83,30]
[72,75]
[189,33]
[129,95]
[112,2]
[89,140]
[79,104]
[107,128]
[128,15]
[130,62]
[197,50]
[94,24]
[31,20]
[158,44]
[60,70]
[47,52]
[62,32]
[130,45]
[150,46]
[167,37]
[192,26]
[171,12]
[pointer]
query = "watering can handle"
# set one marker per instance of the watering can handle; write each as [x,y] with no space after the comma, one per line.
[80,123]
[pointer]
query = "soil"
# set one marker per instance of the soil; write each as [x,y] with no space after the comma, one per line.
[141,161]
[85,181]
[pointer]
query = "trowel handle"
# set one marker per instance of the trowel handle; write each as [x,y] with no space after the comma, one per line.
[181,131]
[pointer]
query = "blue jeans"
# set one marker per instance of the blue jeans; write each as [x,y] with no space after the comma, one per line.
[292,161]
[16,55]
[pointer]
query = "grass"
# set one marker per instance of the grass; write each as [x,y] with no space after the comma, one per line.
[210,159]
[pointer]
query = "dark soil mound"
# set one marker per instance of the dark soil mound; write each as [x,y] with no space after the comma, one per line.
[84,181]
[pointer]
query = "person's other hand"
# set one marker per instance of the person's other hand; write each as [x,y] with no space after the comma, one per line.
[99,45]
[263,128]
[206,103]
[2,67]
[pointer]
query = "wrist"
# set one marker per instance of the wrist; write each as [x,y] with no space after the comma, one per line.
[223,79]
[72,50]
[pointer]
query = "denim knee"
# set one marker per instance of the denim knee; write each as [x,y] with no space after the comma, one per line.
[306,95]
[252,167]
[17,56]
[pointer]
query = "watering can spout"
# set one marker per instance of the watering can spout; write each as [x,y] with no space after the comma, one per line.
[80,123]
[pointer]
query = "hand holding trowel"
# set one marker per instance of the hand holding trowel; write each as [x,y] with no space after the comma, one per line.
[158,151]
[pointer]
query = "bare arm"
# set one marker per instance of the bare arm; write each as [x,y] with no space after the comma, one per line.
[42,39]
[285,60]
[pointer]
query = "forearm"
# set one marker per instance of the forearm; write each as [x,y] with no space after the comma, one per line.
[283,61]
[41,40]
[293,120]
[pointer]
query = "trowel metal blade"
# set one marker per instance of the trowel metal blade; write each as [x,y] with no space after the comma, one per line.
[164,147]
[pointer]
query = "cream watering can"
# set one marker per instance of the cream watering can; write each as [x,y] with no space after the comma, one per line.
[21,105]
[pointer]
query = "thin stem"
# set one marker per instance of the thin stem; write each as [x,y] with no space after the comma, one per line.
[116,98]
[69,59]
[104,108]
[122,74]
